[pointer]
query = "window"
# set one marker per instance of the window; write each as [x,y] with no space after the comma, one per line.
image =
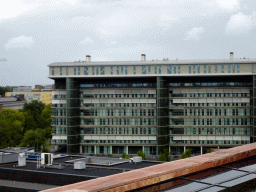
[179,69]
[122,70]
[169,69]
[125,69]
[60,70]
[209,68]
[194,68]
[222,68]
[198,68]
[238,69]
[52,70]
[189,68]
[92,70]
[149,69]
[97,70]
[229,68]
[204,68]
[155,69]
[117,70]
[74,70]
[144,69]
[134,69]
[111,70]
[174,69]
[234,68]
[78,70]
[85,70]
[102,70]
[216,69]
[159,69]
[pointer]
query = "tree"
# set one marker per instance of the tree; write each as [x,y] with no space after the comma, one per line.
[30,123]
[209,150]
[186,154]
[2,91]
[36,108]
[164,155]
[140,153]
[34,138]
[11,127]
[125,156]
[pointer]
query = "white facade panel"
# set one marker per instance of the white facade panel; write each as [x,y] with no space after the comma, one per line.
[119,92]
[218,90]
[245,100]
[176,100]
[103,137]
[201,100]
[111,91]
[103,100]
[237,138]
[136,138]
[228,100]
[95,91]
[127,92]
[88,137]
[87,91]
[236,90]
[135,100]
[143,101]
[193,91]
[95,137]
[210,137]
[177,91]
[227,90]
[202,138]
[119,100]
[177,137]
[111,101]
[185,138]
[228,138]
[103,91]
[210,100]
[202,90]
[237,100]
[55,101]
[143,137]
[185,91]
[95,101]
[194,137]
[127,138]
[151,91]
[151,100]
[219,137]
[245,90]
[111,137]
[127,101]
[63,101]
[219,100]
[63,137]
[143,91]
[185,101]
[119,137]
[210,90]
[135,91]
[152,138]
[246,138]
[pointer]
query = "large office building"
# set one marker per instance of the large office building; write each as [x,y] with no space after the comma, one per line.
[115,106]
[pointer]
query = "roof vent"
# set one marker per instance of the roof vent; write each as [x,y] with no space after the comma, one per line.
[137,159]
[88,58]
[79,165]
[231,56]
[46,159]
[143,57]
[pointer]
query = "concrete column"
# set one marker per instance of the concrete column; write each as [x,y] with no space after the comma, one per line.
[110,149]
[127,150]
[201,150]
[143,149]
[81,151]
[184,148]
[95,149]
[218,147]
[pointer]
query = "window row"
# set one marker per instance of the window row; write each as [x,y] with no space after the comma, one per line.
[207,68]
[210,112]
[210,95]
[171,104]
[238,142]
[117,104]
[119,85]
[128,131]
[213,121]
[116,95]
[212,84]
[118,141]
[118,112]
[211,131]
[132,121]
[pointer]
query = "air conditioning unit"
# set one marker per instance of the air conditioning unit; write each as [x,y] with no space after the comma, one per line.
[137,159]
[22,160]
[46,159]
[79,165]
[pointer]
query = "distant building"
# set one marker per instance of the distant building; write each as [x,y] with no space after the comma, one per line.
[14,102]
[44,97]
[23,89]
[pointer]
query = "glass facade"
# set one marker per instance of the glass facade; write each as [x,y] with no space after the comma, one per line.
[60,70]
[86,72]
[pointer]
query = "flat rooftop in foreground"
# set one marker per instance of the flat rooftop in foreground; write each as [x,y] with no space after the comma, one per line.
[227,170]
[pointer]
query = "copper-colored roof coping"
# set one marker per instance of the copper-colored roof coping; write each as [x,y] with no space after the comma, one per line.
[161,172]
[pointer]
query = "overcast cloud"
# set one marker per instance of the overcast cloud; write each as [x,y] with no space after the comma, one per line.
[35,33]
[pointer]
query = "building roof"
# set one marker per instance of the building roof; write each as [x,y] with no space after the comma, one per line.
[175,170]
[150,62]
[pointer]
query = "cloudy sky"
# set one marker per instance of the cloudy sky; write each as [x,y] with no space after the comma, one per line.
[35,33]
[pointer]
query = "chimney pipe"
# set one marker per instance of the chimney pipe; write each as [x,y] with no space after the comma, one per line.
[143,57]
[231,56]
[88,58]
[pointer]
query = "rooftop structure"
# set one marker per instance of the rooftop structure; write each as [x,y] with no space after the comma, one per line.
[23,89]
[228,170]
[14,102]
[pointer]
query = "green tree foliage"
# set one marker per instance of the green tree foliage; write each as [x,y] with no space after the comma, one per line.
[209,150]
[140,153]
[2,91]
[125,156]
[30,123]
[36,108]
[11,127]
[34,138]
[186,154]
[164,155]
